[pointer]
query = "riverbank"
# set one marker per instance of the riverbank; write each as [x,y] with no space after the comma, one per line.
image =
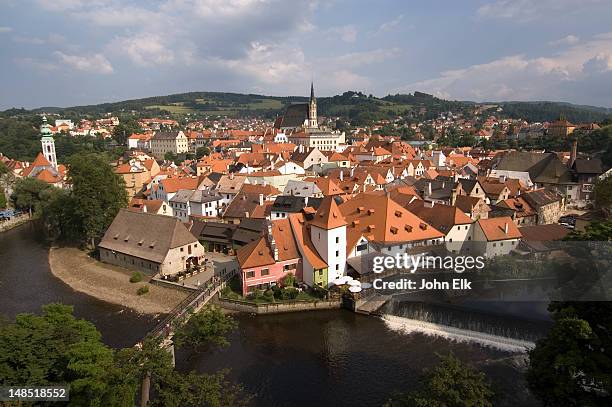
[14,222]
[110,283]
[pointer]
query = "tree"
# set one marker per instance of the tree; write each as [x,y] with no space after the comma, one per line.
[123,130]
[210,326]
[289,280]
[98,194]
[28,194]
[170,156]
[572,365]
[603,193]
[597,231]
[449,384]
[202,152]
[58,349]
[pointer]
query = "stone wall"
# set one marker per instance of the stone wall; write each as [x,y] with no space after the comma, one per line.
[13,222]
[277,308]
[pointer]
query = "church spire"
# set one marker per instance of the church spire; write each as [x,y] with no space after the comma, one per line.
[312,96]
[313,123]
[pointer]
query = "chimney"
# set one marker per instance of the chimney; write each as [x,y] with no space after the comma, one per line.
[341,175]
[352,172]
[574,153]
[231,175]
[428,189]
[506,228]
[261,199]
[301,148]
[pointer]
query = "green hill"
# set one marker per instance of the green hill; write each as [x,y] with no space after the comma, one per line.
[355,107]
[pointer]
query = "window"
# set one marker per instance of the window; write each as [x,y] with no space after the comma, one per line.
[250,274]
[337,267]
[320,273]
[182,248]
[337,253]
[494,244]
[265,272]
[362,247]
[337,240]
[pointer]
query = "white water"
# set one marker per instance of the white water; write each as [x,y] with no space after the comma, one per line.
[407,325]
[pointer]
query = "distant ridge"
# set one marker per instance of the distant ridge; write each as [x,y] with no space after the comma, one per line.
[355,106]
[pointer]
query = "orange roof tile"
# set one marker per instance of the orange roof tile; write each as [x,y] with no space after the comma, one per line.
[328,216]
[495,228]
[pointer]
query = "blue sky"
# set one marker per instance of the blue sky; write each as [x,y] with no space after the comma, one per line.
[73,52]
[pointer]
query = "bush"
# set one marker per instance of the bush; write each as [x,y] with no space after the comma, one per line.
[268,294]
[136,277]
[143,290]
[289,293]
[278,293]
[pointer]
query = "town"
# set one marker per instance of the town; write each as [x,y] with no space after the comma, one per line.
[296,196]
[182,215]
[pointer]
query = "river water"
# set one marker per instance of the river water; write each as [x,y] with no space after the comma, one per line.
[323,358]
[26,284]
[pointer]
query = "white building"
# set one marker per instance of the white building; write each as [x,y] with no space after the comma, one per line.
[169,142]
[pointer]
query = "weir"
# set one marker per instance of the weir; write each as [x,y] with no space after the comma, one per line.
[408,325]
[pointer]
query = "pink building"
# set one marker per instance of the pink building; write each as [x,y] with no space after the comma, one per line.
[270,258]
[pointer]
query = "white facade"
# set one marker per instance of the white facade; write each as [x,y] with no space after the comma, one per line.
[331,246]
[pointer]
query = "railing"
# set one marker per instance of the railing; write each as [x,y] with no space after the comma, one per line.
[183,310]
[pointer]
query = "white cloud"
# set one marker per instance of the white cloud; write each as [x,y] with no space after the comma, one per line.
[526,10]
[518,77]
[143,49]
[61,5]
[389,25]
[5,29]
[270,64]
[347,33]
[95,63]
[568,40]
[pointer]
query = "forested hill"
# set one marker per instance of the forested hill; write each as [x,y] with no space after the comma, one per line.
[355,107]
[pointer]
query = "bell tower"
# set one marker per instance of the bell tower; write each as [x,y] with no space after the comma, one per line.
[312,109]
[47,142]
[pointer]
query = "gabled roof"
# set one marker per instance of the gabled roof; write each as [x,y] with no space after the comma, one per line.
[442,217]
[381,219]
[301,231]
[592,166]
[501,228]
[289,203]
[467,203]
[144,235]
[328,216]
[541,233]
[541,197]
[260,253]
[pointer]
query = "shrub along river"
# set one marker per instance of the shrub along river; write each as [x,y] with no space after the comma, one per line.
[319,358]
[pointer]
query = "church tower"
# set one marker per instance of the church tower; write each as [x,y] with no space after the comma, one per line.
[312,109]
[48,144]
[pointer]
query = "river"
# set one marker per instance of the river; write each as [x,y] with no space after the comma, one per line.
[323,358]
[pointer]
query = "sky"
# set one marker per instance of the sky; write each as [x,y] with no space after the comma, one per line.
[75,52]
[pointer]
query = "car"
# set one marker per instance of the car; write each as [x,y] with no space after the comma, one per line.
[567,219]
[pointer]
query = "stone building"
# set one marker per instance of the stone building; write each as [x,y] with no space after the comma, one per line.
[153,244]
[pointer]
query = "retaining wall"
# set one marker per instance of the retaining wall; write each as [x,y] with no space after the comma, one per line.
[279,307]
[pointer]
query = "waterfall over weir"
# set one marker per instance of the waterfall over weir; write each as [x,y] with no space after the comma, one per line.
[504,331]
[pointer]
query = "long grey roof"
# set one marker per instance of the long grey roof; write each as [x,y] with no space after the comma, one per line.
[145,235]
[166,135]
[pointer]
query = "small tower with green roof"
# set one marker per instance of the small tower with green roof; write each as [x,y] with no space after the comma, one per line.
[48,144]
